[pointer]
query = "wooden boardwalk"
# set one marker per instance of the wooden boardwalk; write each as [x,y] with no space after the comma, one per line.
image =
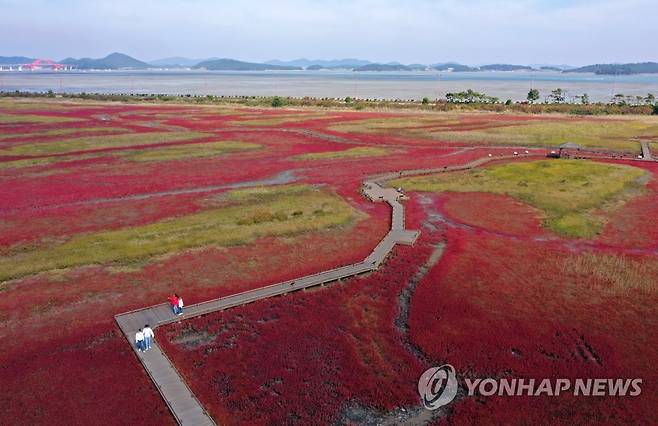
[185,407]
[183,404]
[646,151]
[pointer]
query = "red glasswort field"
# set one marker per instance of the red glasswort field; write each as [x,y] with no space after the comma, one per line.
[493,297]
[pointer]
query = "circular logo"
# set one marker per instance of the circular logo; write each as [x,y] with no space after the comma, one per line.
[438,386]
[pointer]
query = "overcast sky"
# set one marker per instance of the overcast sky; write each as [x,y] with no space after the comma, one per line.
[469,31]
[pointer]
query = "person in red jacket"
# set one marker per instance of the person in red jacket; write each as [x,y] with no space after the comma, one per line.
[173,301]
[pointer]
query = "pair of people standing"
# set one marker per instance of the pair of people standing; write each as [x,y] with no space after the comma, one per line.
[144,338]
[176,303]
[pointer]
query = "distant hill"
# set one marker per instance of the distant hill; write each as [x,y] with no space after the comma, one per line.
[178,61]
[15,60]
[615,69]
[383,67]
[452,66]
[505,67]
[347,63]
[393,66]
[122,61]
[234,65]
[559,67]
[110,62]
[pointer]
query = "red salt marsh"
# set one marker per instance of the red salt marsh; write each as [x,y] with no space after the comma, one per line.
[506,297]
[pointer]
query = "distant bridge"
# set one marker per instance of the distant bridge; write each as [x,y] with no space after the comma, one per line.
[38,64]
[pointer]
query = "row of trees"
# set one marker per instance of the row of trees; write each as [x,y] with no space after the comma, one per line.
[559,96]
[621,99]
[470,97]
[486,102]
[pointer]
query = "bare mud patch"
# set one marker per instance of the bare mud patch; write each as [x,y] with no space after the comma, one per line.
[191,338]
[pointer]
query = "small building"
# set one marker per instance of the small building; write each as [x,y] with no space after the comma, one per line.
[572,146]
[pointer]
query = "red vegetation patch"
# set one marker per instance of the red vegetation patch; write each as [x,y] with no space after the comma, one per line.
[50,321]
[89,377]
[493,212]
[28,226]
[509,307]
[305,357]
[633,225]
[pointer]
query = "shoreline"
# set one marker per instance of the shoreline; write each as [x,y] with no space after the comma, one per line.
[342,104]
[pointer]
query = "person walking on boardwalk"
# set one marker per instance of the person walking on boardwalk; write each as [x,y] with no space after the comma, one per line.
[180,304]
[148,337]
[139,340]
[173,301]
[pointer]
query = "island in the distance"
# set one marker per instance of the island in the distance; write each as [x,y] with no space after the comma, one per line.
[121,61]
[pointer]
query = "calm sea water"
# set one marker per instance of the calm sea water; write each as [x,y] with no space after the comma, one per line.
[335,84]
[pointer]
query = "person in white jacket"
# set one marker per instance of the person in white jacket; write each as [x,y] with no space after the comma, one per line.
[139,340]
[180,305]
[148,337]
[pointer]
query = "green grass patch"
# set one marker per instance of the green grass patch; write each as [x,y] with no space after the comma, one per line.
[568,192]
[225,111]
[347,153]
[193,150]
[266,194]
[601,133]
[168,153]
[625,274]
[277,120]
[244,216]
[100,142]
[62,132]
[32,162]
[34,119]
[36,106]
[396,125]
[616,134]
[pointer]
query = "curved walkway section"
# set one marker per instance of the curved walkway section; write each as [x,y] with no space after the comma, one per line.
[185,407]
